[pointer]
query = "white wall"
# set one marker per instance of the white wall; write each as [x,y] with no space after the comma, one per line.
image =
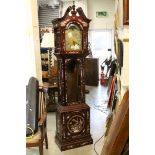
[17,65]
[101,5]
[34,40]
[123,34]
[101,23]
[125,68]
[119,13]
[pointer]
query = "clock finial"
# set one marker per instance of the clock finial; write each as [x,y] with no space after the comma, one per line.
[73,7]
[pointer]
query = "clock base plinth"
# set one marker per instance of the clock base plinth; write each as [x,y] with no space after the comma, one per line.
[63,146]
[73,126]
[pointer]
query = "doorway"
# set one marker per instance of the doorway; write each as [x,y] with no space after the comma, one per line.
[100,41]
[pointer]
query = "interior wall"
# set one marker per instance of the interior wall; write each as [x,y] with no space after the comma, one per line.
[125,68]
[119,12]
[101,5]
[34,40]
[30,69]
[17,65]
[102,23]
[123,34]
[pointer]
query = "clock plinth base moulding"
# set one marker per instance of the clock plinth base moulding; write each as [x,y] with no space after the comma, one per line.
[73,126]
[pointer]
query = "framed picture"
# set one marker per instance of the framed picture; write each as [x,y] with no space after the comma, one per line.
[126,12]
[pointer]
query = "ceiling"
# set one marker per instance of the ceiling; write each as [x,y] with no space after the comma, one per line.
[48,2]
[51,2]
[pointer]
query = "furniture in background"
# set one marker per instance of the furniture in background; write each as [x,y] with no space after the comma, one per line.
[53,68]
[37,139]
[49,77]
[91,71]
[44,63]
[52,96]
[52,83]
[32,105]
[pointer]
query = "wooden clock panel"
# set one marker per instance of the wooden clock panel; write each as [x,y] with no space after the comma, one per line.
[73,126]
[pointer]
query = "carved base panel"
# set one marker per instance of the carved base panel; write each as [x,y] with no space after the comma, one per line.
[73,144]
[73,126]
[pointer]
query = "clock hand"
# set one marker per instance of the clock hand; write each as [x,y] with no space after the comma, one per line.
[74,42]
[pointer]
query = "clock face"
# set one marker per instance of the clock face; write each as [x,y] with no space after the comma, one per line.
[73,38]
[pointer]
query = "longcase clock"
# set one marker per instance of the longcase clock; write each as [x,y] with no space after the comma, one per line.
[71,48]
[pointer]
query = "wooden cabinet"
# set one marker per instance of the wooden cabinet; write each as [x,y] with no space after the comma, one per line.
[44,64]
[53,98]
[49,78]
[91,71]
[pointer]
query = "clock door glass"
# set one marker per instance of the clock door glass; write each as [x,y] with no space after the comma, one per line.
[73,38]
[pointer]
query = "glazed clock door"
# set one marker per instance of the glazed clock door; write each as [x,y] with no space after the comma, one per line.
[73,38]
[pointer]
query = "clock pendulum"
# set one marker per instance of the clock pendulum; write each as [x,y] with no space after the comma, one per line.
[71,48]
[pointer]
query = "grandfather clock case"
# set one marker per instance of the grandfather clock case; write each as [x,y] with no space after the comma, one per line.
[71,48]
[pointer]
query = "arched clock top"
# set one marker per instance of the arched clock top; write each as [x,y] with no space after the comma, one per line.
[71,32]
[72,14]
[74,25]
